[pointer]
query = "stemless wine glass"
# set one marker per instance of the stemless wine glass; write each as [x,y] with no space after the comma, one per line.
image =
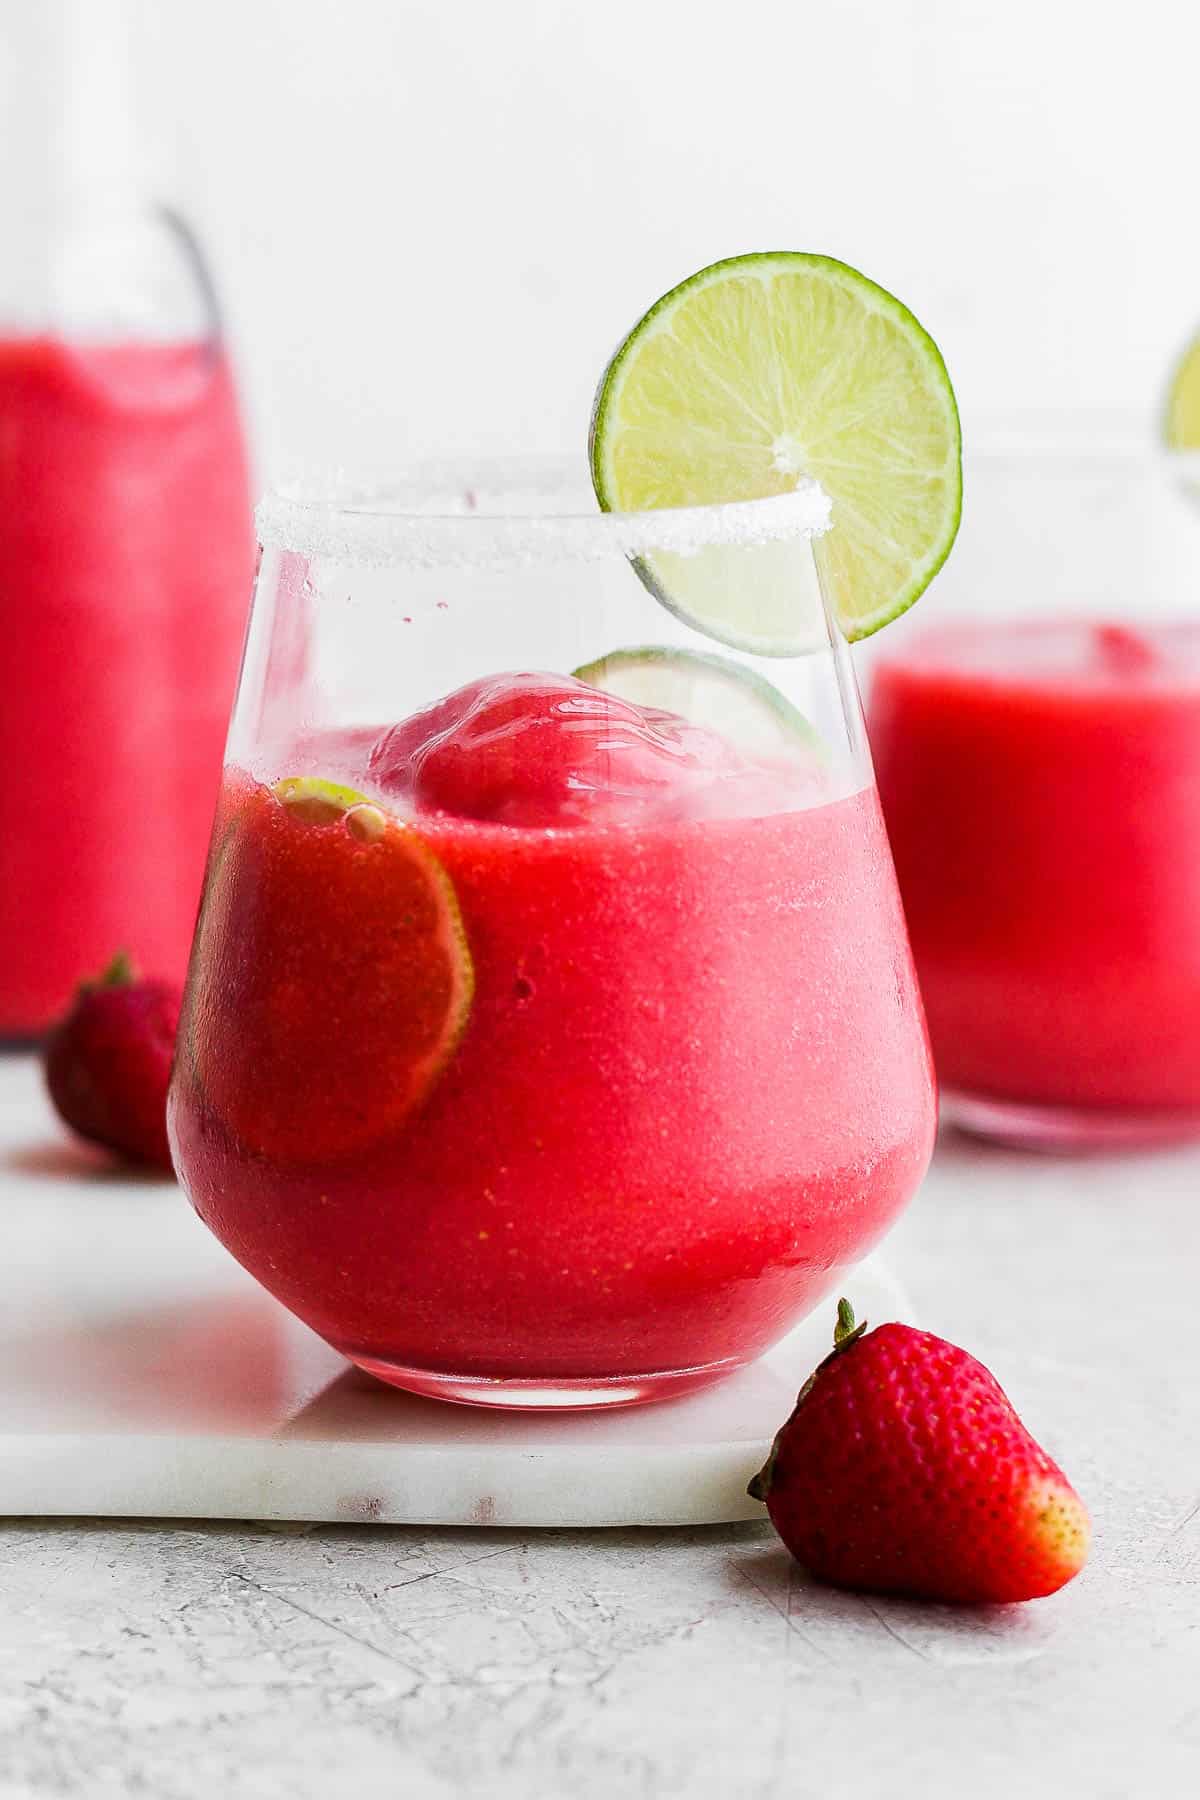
[552,1037]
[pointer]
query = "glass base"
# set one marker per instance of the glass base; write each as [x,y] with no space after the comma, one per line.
[553,1393]
[1063,1129]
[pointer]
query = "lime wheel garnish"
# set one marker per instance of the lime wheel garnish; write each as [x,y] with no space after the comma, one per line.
[745,379]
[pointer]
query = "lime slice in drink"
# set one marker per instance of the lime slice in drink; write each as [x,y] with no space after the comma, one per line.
[1181,426]
[737,702]
[754,373]
[334,980]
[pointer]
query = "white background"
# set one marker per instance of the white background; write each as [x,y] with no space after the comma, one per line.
[432,219]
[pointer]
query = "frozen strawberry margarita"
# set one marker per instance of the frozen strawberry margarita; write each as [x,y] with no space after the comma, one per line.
[561,1044]
[558,1043]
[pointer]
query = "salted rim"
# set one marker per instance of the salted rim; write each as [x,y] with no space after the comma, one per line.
[437,515]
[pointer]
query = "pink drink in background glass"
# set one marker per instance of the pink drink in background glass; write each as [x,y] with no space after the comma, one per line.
[125,567]
[126,546]
[1041,784]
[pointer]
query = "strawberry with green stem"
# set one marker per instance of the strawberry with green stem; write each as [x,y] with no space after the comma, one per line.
[108,1063]
[904,1469]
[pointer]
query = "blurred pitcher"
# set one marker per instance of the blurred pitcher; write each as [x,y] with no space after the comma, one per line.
[126,548]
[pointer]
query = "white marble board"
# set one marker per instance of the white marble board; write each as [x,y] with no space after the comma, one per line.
[144,1374]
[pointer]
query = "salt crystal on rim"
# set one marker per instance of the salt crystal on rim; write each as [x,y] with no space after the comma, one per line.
[511,514]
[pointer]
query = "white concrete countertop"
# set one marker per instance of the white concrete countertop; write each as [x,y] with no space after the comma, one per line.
[174,1661]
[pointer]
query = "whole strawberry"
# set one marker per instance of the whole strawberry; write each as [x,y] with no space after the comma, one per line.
[109,1060]
[905,1470]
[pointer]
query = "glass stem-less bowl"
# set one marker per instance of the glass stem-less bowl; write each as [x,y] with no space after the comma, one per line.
[549,1041]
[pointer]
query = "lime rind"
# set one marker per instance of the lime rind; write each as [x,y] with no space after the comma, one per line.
[847,357]
[314,801]
[453,939]
[707,689]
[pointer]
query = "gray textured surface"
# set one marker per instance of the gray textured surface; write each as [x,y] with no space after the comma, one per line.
[160,1661]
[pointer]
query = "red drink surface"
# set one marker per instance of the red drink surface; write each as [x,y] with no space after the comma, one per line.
[1041,784]
[126,555]
[693,1086]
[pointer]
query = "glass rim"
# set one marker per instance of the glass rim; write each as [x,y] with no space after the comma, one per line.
[437,513]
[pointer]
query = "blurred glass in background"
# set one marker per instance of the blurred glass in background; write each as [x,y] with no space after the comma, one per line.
[125,535]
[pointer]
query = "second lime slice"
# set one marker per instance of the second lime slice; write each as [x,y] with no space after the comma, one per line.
[1181,426]
[1181,423]
[761,370]
[745,708]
